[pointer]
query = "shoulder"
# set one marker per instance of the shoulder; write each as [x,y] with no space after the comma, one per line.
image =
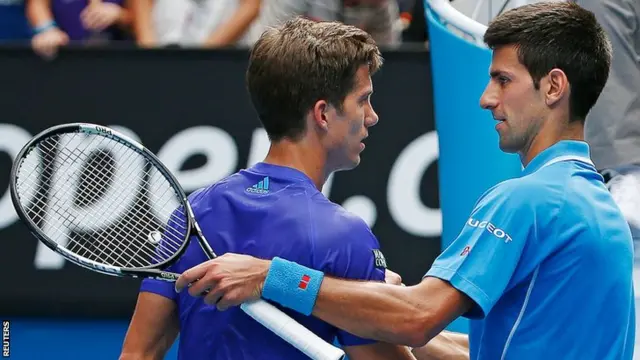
[344,245]
[534,192]
[232,183]
[334,223]
[349,249]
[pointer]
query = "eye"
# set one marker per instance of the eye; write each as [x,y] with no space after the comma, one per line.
[503,80]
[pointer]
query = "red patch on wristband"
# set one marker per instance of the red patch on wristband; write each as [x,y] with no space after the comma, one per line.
[304,282]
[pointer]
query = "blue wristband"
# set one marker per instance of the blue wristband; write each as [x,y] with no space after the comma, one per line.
[292,285]
[44,27]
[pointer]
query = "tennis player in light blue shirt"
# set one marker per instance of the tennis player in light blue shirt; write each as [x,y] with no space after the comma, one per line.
[550,245]
[542,266]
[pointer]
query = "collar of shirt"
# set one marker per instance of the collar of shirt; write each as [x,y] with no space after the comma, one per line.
[282,172]
[562,150]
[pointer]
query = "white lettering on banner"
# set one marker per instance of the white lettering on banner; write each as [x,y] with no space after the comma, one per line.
[64,214]
[221,153]
[491,228]
[403,189]
[214,143]
[363,207]
[12,139]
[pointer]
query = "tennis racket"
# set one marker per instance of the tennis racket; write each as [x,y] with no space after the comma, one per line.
[106,203]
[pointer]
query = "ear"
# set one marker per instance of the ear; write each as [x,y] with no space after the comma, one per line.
[557,86]
[320,109]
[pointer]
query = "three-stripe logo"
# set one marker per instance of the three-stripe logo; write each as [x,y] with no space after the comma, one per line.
[262,187]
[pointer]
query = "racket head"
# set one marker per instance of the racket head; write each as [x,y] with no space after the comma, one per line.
[46,201]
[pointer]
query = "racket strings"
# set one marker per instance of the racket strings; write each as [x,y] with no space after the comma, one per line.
[76,246]
[76,173]
[97,255]
[93,193]
[130,226]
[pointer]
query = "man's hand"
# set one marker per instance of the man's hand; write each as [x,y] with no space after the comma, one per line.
[100,15]
[46,43]
[230,280]
[392,278]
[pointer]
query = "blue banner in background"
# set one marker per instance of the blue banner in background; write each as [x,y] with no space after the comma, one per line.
[70,339]
[470,161]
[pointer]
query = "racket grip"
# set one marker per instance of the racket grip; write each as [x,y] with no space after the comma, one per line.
[292,331]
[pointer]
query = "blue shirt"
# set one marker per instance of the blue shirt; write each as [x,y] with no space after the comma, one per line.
[547,258]
[267,211]
[67,16]
[13,22]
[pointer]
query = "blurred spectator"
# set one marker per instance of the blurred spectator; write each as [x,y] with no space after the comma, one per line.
[416,29]
[203,23]
[380,18]
[56,22]
[275,12]
[13,23]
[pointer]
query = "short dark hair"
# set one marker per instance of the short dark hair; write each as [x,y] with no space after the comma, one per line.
[559,35]
[293,66]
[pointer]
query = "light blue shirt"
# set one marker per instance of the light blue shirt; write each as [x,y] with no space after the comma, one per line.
[547,258]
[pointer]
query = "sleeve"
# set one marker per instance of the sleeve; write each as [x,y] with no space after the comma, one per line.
[162,251]
[176,225]
[482,259]
[351,251]
[166,247]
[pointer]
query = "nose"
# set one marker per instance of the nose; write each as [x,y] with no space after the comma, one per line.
[371,118]
[489,99]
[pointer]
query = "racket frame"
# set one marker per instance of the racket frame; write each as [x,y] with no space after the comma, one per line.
[150,271]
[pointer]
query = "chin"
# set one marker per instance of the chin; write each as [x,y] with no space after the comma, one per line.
[509,147]
[352,164]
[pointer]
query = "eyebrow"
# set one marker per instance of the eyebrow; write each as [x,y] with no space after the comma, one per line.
[366,94]
[496,73]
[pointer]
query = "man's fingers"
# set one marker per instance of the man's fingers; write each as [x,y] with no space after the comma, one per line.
[201,287]
[392,277]
[228,300]
[191,275]
[87,17]
[213,296]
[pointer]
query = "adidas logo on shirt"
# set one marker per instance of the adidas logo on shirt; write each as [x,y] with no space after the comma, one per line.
[261,187]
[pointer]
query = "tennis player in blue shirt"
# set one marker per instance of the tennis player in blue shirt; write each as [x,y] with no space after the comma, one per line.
[311,85]
[543,266]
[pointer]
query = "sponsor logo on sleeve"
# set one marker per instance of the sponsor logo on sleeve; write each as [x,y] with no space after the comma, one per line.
[491,229]
[378,259]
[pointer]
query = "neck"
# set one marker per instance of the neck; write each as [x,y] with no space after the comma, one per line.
[303,156]
[549,136]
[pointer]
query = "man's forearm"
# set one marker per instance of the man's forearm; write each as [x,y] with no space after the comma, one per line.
[379,311]
[236,25]
[374,310]
[447,345]
[142,22]
[38,12]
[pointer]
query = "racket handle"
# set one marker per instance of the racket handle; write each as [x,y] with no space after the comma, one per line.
[292,331]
